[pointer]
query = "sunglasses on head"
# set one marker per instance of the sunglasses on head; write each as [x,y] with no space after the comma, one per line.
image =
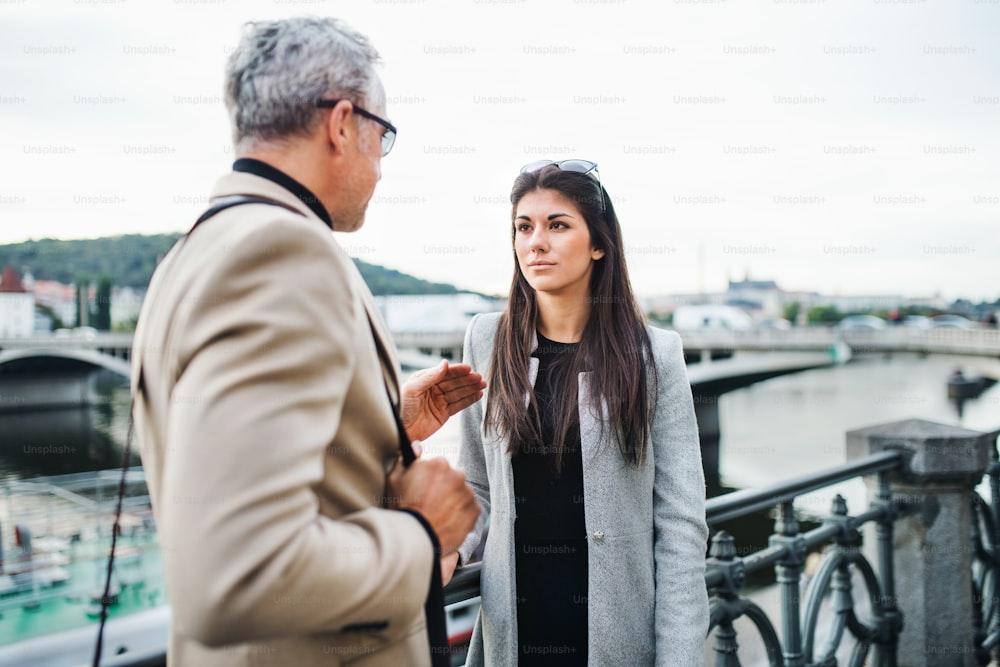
[575,165]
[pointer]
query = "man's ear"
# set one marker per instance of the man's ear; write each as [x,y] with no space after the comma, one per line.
[339,126]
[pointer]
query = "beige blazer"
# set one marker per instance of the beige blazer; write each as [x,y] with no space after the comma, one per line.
[266,434]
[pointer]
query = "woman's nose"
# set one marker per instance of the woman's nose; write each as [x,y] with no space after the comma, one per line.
[538,241]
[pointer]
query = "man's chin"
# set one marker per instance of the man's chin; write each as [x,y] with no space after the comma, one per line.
[352,224]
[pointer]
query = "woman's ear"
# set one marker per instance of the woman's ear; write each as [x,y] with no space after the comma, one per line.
[596,254]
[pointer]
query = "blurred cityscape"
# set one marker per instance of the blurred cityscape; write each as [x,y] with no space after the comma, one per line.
[31,306]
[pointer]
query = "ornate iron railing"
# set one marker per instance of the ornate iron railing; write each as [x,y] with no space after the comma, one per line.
[786,552]
[871,620]
[726,572]
[986,564]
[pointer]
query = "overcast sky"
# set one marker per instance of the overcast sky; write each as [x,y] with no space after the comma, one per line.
[845,146]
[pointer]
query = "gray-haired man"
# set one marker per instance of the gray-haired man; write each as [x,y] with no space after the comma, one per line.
[267,387]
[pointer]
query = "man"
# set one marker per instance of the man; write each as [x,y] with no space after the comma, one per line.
[263,409]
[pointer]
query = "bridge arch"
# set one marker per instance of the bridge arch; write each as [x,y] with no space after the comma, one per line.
[91,357]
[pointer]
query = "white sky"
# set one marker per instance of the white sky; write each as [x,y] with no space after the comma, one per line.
[720,128]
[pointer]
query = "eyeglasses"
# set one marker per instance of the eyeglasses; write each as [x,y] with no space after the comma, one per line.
[388,137]
[579,166]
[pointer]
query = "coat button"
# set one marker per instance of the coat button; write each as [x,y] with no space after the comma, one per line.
[598,536]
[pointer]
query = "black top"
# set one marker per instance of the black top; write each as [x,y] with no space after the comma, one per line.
[550,534]
[260,168]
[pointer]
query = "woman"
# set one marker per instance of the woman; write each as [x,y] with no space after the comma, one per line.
[595,552]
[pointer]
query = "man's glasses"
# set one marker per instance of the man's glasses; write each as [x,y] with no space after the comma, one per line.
[388,137]
[575,165]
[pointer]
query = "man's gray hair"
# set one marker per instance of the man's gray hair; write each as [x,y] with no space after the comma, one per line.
[280,68]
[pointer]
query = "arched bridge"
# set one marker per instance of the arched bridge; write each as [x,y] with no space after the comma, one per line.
[43,358]
[95,358]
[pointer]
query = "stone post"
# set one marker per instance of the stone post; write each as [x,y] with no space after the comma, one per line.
[932,548]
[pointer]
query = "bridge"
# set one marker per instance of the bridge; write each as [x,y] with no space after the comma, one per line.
[40,375]
[47,370]
[706,344]
[700,344]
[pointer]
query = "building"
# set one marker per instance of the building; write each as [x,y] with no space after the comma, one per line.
[759,298]
[58,297]
[711,316]
[17,306]
[764,299]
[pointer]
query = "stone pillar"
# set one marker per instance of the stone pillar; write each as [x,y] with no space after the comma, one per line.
[932,552]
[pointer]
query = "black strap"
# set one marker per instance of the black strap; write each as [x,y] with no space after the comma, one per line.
[222,203]
[434,606]
[115,529]
[405,446]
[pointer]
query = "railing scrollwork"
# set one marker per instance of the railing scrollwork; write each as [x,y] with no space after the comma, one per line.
[786,552]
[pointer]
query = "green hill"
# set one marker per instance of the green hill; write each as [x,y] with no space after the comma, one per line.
[129,260]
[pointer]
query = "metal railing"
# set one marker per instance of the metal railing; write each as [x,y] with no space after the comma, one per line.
[872,620]
[726,572]
[786,552]
[986,564]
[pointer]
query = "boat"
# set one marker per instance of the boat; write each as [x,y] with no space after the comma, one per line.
[963,386]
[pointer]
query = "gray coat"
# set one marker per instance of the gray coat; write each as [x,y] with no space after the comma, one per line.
[646,530]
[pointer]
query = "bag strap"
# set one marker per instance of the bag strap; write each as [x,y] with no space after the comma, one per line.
[434,606]
[116,527]
[222,203]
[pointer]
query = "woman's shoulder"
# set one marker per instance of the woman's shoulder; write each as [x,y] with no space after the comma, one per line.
[481,331]
[483,326]
[666,343]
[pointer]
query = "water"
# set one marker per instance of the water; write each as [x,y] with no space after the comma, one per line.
[55,442]
[796,424]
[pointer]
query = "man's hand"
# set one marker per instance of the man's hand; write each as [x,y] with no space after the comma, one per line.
[448,564]
[439,493]
[432,395]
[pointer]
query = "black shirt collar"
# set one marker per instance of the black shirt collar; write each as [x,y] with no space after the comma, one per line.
[264,170]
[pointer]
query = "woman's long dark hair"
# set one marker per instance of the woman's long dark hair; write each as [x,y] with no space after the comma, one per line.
[615,345]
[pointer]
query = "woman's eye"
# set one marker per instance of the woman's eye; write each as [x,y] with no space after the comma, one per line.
[559,223]
[522,227]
